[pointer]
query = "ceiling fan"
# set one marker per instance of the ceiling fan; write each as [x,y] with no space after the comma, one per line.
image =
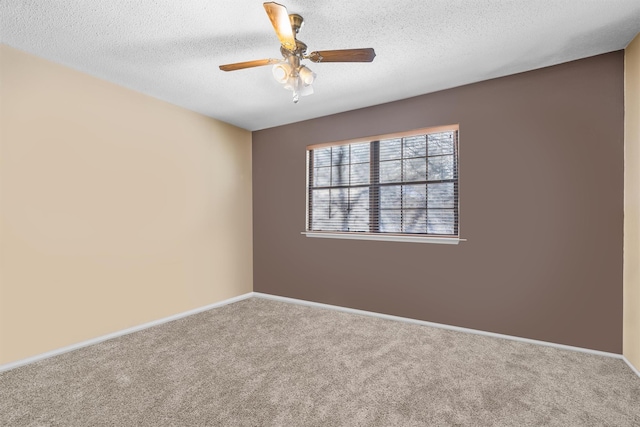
[289,71]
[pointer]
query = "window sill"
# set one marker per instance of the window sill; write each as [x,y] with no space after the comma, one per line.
[385,237]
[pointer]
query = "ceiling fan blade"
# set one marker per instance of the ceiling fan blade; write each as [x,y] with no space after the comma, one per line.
[248,64]
[343,55]
[280,20]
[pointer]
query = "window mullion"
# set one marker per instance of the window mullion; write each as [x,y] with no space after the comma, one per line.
[426,185]
[348,213]
[330,181]
[402,185]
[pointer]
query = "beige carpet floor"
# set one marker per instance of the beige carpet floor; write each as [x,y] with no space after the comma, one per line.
[264,363]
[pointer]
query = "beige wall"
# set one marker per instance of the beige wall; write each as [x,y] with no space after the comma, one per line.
[116,208]
[631,328]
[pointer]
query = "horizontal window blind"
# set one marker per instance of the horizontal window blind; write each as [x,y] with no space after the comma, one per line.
[397,185]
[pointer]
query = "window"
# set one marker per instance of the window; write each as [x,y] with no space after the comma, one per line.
[402,184]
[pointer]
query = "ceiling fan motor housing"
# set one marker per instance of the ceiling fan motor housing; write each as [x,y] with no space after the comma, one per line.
[300,50]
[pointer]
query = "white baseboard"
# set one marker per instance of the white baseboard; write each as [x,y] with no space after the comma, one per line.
[435,325]
[116,334]
[633,368]
[92,341]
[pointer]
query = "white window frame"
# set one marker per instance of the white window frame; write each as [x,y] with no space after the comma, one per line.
[387,237]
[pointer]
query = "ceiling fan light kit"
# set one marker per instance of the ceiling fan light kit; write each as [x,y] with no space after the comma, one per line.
[289,71]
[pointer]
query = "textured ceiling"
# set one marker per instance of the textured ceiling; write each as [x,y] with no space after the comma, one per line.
[171,49]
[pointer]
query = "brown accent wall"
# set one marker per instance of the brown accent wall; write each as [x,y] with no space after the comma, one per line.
[541,204]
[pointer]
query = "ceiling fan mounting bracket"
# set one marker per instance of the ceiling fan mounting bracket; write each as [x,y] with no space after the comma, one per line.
[296,22]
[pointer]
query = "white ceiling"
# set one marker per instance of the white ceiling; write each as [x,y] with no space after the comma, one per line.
[171,49]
